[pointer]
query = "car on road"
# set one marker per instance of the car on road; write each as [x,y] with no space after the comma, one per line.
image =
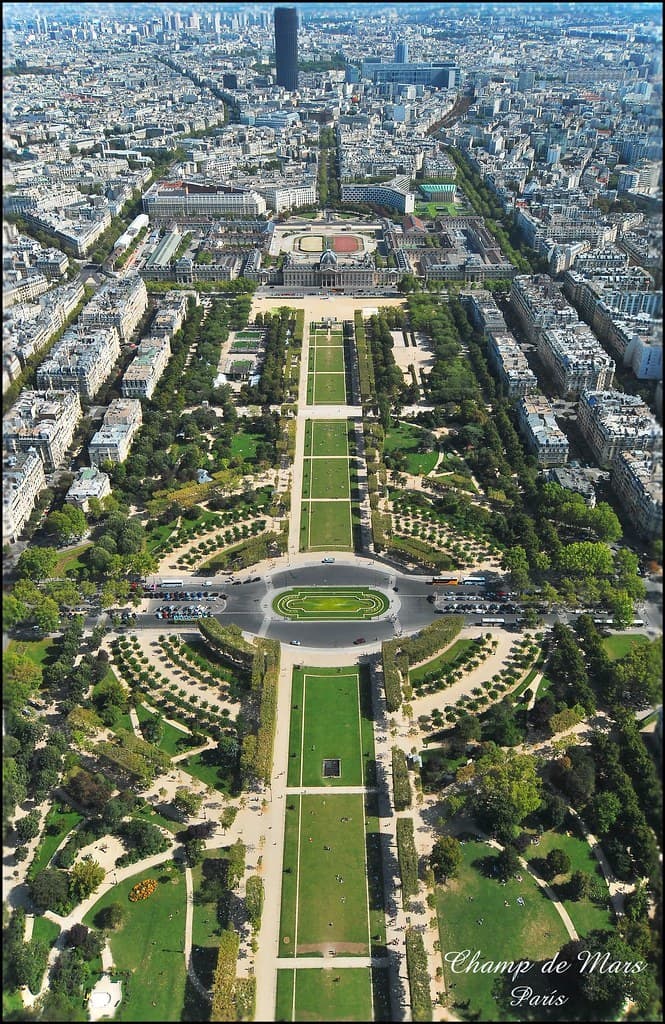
[359,640]
[327,561]
[295,643]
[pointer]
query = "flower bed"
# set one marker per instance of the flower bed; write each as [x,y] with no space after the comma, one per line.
[142,890]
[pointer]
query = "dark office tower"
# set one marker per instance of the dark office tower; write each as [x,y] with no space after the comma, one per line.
[286,47]
[402,53]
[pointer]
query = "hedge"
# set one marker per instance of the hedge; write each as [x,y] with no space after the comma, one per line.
[251,551]
[416,965]
[432,638]
[419,552]
[257,752]
[254,900]
[408,858]
[228,641]
[401,782]
[224,982]
[391,677]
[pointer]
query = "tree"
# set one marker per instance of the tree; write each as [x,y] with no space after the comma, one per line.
[580,885]
[13,612]
[508,862]
[47,615]
[194,851]
[68,524]
[90,943]
[85,877]
[110,918]
[27,828]
[607,990]
[187,801]
[558,862]
[29,962]
[21,678]
[446,857]
[604,810]
[466,728]
[508,788]
[36,563]
[49,890]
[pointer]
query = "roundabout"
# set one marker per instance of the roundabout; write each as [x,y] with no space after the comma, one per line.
[325,604]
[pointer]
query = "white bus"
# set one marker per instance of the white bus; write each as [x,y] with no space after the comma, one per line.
[474,580]
[492,622]
[170,583]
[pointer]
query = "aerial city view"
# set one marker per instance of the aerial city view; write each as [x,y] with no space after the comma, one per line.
[332,511]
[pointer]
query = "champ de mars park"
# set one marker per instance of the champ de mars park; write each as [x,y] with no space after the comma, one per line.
[340,762]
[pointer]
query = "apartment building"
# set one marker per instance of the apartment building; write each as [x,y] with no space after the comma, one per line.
[45,421]
[542,435]
[575,359]
[113,440]
[119,303]
[507,361]
[612,422]
[394,194]
[89,483]
[81,361]
[23,289]
[483,311]
[539,304]
[281,197]
[22,480]
[147,366]
[637,481]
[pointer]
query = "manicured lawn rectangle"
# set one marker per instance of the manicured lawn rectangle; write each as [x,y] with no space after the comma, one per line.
[328,478]
[328,526]
[330,914]
[149,946]
[328,438]
[618,645]
[531,932]
[325,994]
[416,674]
[407,438]
[329,389]
[332,729]
[329,359]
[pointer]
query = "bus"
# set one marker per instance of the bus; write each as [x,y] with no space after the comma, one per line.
[474,580]
[444,581]
[170,584]
[492,622]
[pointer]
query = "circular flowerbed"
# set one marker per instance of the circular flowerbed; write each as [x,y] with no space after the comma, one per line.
[142,890]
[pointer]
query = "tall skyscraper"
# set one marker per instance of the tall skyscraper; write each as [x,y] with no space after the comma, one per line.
[286,47]
[402,53]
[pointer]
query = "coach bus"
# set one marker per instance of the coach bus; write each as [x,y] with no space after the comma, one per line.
[492,622]
[474,581]
[170,584]
[444,581]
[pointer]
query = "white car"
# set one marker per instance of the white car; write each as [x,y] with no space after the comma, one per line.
[295,643]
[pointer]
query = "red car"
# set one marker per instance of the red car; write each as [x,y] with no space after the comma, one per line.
[360,640]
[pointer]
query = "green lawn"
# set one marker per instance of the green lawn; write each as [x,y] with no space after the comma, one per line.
[531,932]
[337,724]
[37,650]
[149,946]
[319,913]
[326,526]
[330,603]
[328,359]
[244,444]
[71,560]
[435,209]
[329,389]
[171,737]
[45,930]
[56,820]
[326,478]
[322,339]
[585,914]
[327,437]
[407,438]
[204,766]
[416,674]
[618,644]
[324,994]
[205,925]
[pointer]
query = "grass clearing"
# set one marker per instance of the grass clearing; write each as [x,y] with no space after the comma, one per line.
[326,526]
[329,359]
[149,946]
[619,644]
[71,560]
[407,438]
[57,825]
[328,438]
[171,741]
[244,444]
[453,652]
[45,930]
[530,932]
[327,478]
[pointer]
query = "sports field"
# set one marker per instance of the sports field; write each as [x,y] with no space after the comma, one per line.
[346,243]
[324,994]
[331,719]
[330,603]
[326,526]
